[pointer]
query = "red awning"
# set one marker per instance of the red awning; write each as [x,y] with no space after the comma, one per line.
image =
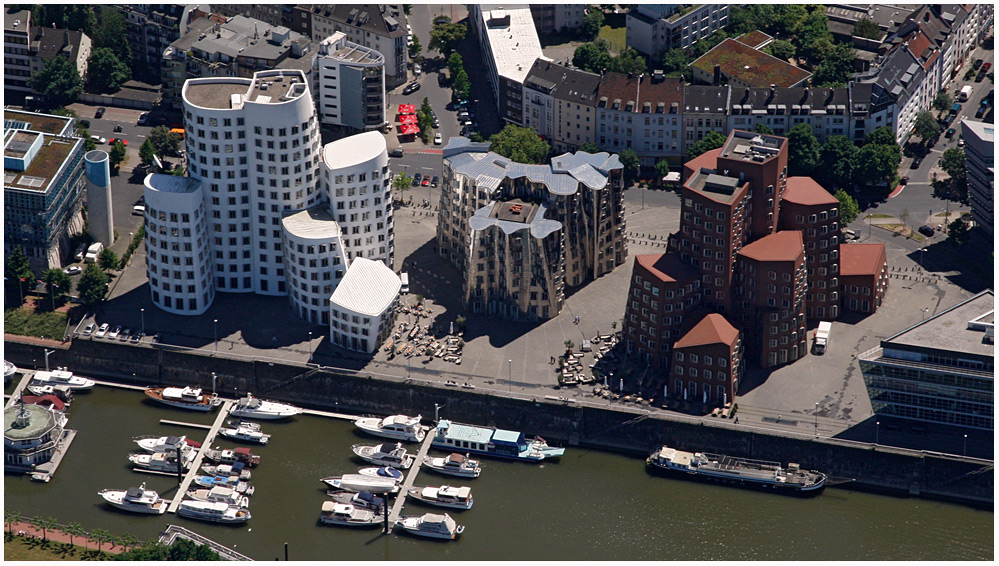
[407,109]
[408,119]
[407,129]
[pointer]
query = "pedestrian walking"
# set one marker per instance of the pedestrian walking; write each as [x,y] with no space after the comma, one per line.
[778,418]
[736,419]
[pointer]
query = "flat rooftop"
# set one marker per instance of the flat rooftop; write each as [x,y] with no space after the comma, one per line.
[759,69]
[750,146]
[44,167]
[45,123]
[719,188]
[272,87]
[949,330]
[354,53]
[171,183]
[312,223]
[215,94]
[514,210]
[513,39]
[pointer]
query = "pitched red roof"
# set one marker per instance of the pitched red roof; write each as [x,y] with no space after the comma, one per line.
[804,190]
[666,267]
[712,329]
[786,245]
[861,259]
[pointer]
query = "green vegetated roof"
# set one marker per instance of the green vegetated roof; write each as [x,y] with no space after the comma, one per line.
[757,68]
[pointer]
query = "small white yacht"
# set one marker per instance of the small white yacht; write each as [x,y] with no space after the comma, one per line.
[252,408]
[136,499]
[395,427]
[444,496]
[383,472]
[357,482]
[161,461]
[454,465]
[236,469]
[219,493]
[165,443]
[432,525]
[362,500]
[9,370]
[346,515]
[247,432]
[62,377]
[384,455]
[213,511]
[191,398]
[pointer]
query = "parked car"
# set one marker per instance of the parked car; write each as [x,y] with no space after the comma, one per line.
[125,334]
[416,180]
[143,118]
[115,140]
[437,124]
[100,112]
[981,111]
[950,133]
[102,331]
[137,337]
[115,332]
[960,142]
[98,140]
[904,181]
[81,250]
[117,127]
[986,67]
[436,180]
[926,230]
[978,63]
[916,162]
[438,139]
[411,88]
[139,210]
[73,270]
[417,69]
[89,329]
[426,182]
[396,152]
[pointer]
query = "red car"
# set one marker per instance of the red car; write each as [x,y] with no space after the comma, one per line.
[426,181]
[986,67]
[114,140]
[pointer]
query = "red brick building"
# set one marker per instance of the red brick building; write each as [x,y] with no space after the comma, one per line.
[706,362]
[663,292]
[812,210]
[864,276]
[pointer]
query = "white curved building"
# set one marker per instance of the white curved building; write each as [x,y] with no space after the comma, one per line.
[362,306]
[254,144]
[357,182]
[314,260]
[178,259]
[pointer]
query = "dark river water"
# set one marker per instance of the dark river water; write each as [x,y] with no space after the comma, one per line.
[588,505]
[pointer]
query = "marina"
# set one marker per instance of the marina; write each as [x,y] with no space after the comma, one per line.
[529,504]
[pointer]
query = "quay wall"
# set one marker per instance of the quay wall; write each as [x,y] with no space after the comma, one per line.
[600,424]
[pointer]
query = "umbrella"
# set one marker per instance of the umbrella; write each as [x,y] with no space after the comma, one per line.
[451,328]
[621,388]
[407,109]
[408,119]
[407,129]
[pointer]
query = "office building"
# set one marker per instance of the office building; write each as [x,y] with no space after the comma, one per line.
[381,27]
[363,306]
[941,370]
[350,85]
[979,151]
[863,277]
[655,28]
[316,260]
[707,362]
[557,18]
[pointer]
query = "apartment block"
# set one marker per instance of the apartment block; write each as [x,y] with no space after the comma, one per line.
[654,28]
[707,362]
[739,65]
[28,49]
[559,104]
[556,18]
[350,84]
[864,277]
[814,212]
[642,114]
[979,150]
[151,30]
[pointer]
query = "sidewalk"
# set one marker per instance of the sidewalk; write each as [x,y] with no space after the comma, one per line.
[54,535]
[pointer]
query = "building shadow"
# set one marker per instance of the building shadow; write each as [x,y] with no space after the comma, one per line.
[886,430]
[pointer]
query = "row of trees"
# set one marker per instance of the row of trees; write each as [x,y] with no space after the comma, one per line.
[595,57]
[461,86]
[91,287]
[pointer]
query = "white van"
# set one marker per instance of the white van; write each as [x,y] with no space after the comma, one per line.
[404,277]
[965,93]
[93,251]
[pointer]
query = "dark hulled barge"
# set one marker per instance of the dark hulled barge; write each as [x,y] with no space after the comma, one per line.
[737,471]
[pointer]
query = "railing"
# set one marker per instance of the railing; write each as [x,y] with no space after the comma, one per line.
[874,355]
[172,532]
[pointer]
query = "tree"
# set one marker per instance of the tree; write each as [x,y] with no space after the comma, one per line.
[445,37]
[836,67]
[867,28]
[522,145]
[880,136]
[904,217]
[477,137]
[661,169]
[105,72]
[59,81]
[782,49]
[590,147]
[926,126]
[803,150]
[592,22]
[44,524]
[126,541]
[402,183]
[11,516]
[107,259]
[101,536]
[849,210]
[74,530]
[93,285]
[407,8]
[762,128]
[877,163]
[942,101]
[629,159]
[569,345]
[112,32]
[117,154]
[790,19]
[164,142]
[57,283]
[84,134]
[711,141]
[460,85]
[953,163]
[957,232]
[146,152]
[414,49]
[425,121]
[674,62]
[455,63]
[593,57]
[629,61]
[17,271]
[837,158]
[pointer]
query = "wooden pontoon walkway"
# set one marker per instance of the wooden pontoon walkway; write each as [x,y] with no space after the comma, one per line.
[400,500]
[189,477]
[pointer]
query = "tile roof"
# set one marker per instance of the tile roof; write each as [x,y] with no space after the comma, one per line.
[376,22]
[640,90]
[707,99]
[749,65]
[706,160]
[818,100]
[712,329]
[564,83]
[861,259]
[786,245]
[804,190]
[667,267]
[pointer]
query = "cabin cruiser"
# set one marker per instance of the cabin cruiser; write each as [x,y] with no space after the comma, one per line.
[136,499]
[444,496]
[362,500]
[384,455]
[213,511]
[432,525]
[252,408]
[190,398]
[165,443]
[454,465]
[357,482]
[161,461]
[62,377]
[383,472]
[247,432]
[395,427]
[219,493]
[346,515]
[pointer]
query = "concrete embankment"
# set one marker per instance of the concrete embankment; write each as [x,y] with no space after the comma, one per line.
[599,425]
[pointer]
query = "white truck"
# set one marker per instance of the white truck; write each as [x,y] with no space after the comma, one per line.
[965,93]
[822,337]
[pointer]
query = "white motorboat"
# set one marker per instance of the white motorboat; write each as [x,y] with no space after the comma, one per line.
[252,408]
[247,432]
[396,427]
[231,456]
[362,500]
[220,493]
[62,392]
[9,370]
[357,482]
[346,515]
[236,469]
[454,465]
[225,481]
[383,472]
[136,499]
[432,525]
[384,455]
[444,496]
[165,443]
[161,461]
[190,398]
[62,377]
[213,511]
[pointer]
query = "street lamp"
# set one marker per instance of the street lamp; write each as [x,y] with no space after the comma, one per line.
[142,315]
[877,432]
[310,345]
[213,383]
[47,352]
[816,420]
[437,408]
[921,263]
[216,322]
[509,365]
[965,453]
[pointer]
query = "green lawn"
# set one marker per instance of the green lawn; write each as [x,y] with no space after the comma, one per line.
[614,36]
[19,548]
[27,322]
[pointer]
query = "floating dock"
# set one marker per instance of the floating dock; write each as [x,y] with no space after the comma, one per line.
[414,471]
[189,477]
